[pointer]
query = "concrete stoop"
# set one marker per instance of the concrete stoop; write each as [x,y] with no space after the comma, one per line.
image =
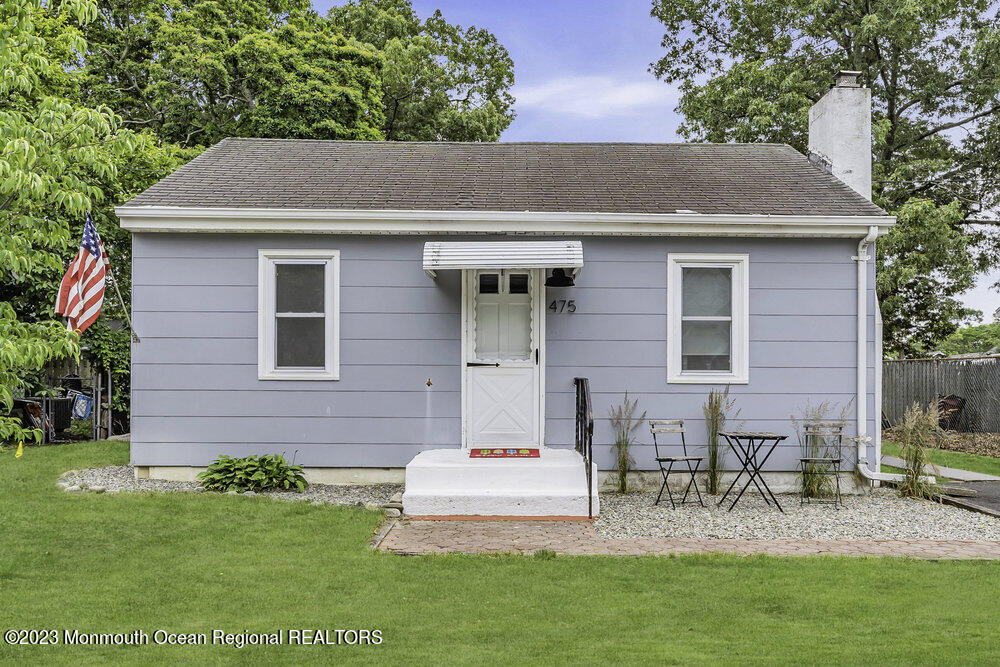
[446,482]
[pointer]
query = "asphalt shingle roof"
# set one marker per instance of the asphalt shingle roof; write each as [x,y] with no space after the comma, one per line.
[583,177]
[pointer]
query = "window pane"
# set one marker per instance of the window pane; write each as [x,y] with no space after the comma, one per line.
[300,341]
[516,340]
[519,283]
[487,330]
[705,346]
[299,288]
[707,291]
[489,283]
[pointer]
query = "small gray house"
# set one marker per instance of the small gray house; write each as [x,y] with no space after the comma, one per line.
[375,309]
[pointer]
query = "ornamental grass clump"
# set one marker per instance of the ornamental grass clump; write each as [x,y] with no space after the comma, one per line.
[919,429]
[625,423]
[717,411]
[253,473]
[816,479]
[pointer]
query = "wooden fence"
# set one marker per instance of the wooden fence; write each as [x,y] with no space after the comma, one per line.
[976,379]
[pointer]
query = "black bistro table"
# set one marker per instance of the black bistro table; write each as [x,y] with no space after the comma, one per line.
[753,450]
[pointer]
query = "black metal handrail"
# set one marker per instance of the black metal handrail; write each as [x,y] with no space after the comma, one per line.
[585,435]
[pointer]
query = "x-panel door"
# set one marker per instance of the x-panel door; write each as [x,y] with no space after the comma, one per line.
[502,331]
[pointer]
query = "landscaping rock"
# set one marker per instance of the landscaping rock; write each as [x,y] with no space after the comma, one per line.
[122,478]
[98,489]
[881,514]
[392,512]
[249,493]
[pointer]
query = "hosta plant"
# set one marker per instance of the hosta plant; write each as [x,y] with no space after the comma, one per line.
[253,473]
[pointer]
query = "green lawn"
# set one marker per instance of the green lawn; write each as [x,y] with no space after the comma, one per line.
[942,457]
[193,563]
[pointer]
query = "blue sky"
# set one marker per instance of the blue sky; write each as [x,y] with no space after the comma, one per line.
[580,74]
[579,67]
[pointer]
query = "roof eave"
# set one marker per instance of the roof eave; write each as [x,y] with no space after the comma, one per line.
[392,222]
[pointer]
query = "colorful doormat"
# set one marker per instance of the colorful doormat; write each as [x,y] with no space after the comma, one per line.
[498,453]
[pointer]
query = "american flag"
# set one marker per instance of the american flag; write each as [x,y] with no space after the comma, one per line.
[81,292]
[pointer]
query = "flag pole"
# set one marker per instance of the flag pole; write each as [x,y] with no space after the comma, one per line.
[118,291]
[128,319]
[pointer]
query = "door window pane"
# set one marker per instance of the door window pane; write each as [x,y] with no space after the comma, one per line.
[503,317]
[706,346]
[519,283]
[487,330]
[707,291]
[489,283]
[516,339]
[299,288]
[300,342]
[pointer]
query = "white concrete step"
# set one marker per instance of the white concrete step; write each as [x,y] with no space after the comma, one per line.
[447,482]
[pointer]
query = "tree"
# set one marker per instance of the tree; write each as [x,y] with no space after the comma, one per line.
[441,82]
[925,262]
[749,71]
[55,151]
[973,340]
[196,71]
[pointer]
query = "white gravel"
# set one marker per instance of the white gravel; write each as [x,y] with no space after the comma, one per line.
[880,515]
[114,479]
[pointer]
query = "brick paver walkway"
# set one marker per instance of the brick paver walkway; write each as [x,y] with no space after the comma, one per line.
[580,538]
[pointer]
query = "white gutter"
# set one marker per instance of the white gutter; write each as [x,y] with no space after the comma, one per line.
[862,396]
[337,221]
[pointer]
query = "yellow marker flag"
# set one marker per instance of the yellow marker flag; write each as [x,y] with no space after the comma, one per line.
[20,450]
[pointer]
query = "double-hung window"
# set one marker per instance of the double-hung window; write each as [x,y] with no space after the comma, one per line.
[298,321]
[708,331]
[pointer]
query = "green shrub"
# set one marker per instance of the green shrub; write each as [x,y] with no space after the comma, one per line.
[253,473]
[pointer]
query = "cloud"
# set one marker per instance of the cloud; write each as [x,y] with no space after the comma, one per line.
[596,96]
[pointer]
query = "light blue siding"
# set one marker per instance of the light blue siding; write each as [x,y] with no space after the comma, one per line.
[196,392]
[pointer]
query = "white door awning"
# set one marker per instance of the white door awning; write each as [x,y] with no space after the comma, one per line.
[439,255]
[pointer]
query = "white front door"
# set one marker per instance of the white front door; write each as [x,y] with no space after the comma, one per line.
[502,334]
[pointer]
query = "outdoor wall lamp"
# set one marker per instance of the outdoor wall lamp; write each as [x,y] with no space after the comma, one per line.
[559,279]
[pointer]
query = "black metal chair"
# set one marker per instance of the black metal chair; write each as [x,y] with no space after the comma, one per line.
[666,463]
[822,446]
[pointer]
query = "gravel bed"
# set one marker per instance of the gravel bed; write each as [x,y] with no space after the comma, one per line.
[113,479]
[880,515]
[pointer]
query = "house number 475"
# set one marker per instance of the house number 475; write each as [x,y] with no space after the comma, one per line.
[563,306]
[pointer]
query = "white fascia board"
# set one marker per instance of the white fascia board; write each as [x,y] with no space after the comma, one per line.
[318,221]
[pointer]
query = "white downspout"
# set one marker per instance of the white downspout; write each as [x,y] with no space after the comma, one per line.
[862,396]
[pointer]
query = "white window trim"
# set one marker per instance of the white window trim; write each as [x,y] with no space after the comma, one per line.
[266,367]
[740,346]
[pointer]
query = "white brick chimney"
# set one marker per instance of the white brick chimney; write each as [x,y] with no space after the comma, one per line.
[840,130]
